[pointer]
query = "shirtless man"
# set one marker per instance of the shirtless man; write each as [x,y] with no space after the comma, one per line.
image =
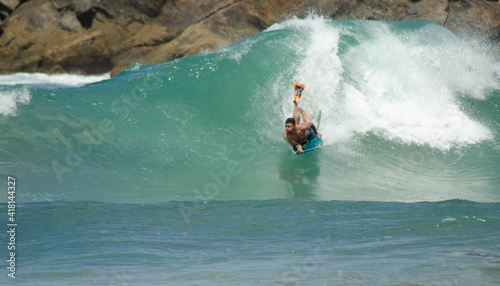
[296,133]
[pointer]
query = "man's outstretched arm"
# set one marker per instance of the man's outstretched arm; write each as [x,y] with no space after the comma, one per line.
[294,144]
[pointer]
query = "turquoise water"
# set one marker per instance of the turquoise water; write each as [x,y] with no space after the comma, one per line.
[252,242]
[177,174]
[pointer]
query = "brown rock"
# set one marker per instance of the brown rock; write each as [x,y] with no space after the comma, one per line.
[381,10]
[430,10]
[176,16]
[69,35]
[69,22]
[217,25]
[95,36]
[480,20]
[10,4]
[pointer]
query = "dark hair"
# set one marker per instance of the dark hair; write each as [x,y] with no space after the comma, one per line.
[290,120]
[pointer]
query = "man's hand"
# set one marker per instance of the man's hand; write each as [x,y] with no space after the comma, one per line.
[319,134]
[299,149]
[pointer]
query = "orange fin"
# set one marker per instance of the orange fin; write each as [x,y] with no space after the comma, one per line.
[298,89]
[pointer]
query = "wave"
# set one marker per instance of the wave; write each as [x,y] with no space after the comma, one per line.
[403,81]
[409,113]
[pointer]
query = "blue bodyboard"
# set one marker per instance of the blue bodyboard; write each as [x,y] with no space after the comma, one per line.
[314,143]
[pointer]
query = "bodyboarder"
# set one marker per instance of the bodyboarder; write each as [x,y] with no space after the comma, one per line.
[296,133]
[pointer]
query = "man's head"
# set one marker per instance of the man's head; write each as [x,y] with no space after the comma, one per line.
[289,125]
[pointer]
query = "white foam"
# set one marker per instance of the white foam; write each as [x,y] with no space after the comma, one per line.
[317,65]
[9,100]
[54,79]
[401,87]
[410,90]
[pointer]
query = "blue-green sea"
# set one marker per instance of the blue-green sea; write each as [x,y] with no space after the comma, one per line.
[178,174]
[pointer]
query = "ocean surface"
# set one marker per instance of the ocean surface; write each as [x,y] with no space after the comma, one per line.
[177,173]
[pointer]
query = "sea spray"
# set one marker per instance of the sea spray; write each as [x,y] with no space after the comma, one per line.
[391,79]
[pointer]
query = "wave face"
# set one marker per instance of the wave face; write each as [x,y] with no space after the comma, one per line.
[409,112]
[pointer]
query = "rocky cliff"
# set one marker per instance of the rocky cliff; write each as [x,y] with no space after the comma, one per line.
[97,36]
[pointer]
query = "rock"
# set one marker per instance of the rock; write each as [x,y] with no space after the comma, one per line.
[69,22]
[176,17]
[96,36]
[381,10]
[176,34]
[480,20]
[69,35]
[430,10]
[10,4]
